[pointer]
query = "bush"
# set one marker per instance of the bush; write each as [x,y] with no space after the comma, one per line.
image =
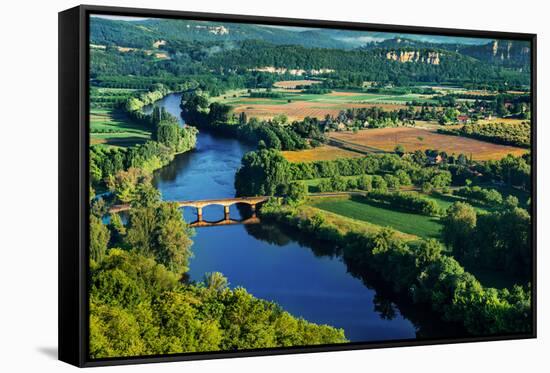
[378,183]
[486,196]
[392,181]
[499,133]
[364,182]
[293,192]
[406,202]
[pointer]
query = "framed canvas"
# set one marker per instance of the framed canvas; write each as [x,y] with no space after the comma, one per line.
[234,186]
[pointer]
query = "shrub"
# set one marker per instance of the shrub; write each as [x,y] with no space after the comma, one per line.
[486,196]
[406,201]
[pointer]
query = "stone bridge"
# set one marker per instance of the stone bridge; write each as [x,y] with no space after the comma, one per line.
[200,204]
[225,202]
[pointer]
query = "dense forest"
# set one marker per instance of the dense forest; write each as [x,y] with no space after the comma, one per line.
[229,56]
[350,68]
[142,304]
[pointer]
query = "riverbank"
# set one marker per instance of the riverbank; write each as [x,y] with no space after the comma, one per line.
[146,154]
[419,271]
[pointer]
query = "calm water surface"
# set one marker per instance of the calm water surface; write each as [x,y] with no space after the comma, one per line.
[263,258]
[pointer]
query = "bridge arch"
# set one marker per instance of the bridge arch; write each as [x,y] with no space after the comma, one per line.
[200,204]
[226,203]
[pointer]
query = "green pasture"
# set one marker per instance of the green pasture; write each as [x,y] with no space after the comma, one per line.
[113,127]
[415,224]
[241,97]
[101,97]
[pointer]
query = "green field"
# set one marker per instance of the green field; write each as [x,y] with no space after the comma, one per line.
[107,98]
[113,127]
[243,98]
[419,225]
[443,200]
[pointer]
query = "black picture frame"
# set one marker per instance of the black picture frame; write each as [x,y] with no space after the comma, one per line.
[74,192]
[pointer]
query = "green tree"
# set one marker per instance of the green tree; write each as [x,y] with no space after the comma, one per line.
[168,134]
[115,332]
[243,118]
[511,202]
[146,195]
[173,243]
[365,182]
[160,231]
[458,227]
[261,173]
[141,230]
[338,183]
[399,149]
[294,191]
[215,281]
[99,239]
[428,251]
[117,229]
[219,113]
[125,183]
[98,207]
[379,183]
[427,187]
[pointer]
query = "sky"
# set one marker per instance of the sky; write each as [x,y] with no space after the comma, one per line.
[120,18]
[361,38]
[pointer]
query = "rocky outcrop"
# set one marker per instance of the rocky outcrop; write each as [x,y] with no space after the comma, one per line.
[295,72]
[509,53]
[418,56]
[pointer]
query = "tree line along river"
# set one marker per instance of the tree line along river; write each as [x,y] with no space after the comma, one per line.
[305,278]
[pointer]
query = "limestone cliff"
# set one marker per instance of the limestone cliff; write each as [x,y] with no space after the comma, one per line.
[418,56]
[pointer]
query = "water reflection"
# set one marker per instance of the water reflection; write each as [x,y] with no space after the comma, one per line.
[388,304]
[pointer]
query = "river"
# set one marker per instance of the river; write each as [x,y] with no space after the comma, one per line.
[272,263]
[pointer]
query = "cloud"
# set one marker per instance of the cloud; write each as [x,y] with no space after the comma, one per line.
[361,39]
[119,18]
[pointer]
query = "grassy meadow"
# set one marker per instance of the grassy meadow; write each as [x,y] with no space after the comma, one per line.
[113,127]
[408,223]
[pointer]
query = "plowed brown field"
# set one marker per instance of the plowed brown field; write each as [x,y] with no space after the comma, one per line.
[321,153]
[421,139]
[294,83]
[298,110]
